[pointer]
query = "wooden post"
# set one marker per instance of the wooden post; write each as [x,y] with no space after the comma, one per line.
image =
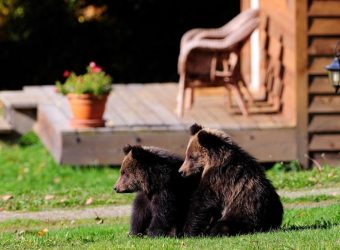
[301,80]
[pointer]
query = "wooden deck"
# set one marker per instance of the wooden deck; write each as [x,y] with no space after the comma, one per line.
[144,114]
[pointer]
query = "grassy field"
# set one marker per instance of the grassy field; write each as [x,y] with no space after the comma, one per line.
[33,181]
[311,228]
[311,199]
[30,175]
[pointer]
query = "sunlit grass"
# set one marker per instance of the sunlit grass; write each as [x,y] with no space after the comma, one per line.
[36,182]
[312,228]
[30,175]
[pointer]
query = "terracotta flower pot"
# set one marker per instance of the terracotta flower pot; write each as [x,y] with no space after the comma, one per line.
[87,110]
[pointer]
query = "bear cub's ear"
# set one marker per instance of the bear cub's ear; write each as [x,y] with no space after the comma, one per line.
[208,140]
[137,152]
[195,128]
[127,148]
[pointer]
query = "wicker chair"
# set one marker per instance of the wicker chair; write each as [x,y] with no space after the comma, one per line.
[221,32]
[211,57]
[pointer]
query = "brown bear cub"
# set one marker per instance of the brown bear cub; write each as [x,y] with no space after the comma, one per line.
[234,195]
[162,202]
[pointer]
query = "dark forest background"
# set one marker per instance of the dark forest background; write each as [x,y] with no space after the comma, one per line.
[133,40]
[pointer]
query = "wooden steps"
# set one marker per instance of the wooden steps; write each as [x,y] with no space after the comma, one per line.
[19,110]
[5,127]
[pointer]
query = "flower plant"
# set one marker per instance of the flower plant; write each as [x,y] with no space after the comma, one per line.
[95,81]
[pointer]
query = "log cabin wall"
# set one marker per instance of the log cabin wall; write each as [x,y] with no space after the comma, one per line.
[323,104]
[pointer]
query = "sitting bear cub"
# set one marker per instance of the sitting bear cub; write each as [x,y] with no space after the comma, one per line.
[161,205]
[234,195]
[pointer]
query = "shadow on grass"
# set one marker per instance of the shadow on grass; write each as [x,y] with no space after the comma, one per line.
[318,225]
[10,139]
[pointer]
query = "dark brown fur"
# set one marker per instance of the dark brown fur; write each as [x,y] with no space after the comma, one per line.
[162,202]
[234,190]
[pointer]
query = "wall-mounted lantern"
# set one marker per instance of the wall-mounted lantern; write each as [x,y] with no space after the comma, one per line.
[334,69]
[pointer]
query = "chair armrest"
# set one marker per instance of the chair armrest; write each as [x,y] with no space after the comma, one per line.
[189,35]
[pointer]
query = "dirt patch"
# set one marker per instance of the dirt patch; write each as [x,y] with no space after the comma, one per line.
[119,211]
[309,192]
[86,213]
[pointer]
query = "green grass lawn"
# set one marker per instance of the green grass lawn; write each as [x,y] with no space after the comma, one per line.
[35,181]
[310,228]
[311,199]
[29,174]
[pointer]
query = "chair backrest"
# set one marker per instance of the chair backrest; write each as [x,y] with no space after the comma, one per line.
[229,42]
[197,59]
[240,19]
[241,34]
[231,26]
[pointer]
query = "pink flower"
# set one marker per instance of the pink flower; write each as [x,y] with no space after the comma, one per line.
[66,73]
[96,69]
[93,65]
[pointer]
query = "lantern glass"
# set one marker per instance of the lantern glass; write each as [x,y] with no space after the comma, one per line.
[334,72]
[334,77]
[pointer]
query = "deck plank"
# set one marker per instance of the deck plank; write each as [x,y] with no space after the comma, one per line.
[112,117]
[167,95]
[59,100]
[154,106]
[217,108]
[20,99]
[127,107]
[145,104]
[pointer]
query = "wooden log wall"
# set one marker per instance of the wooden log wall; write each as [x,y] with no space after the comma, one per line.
[323,105]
